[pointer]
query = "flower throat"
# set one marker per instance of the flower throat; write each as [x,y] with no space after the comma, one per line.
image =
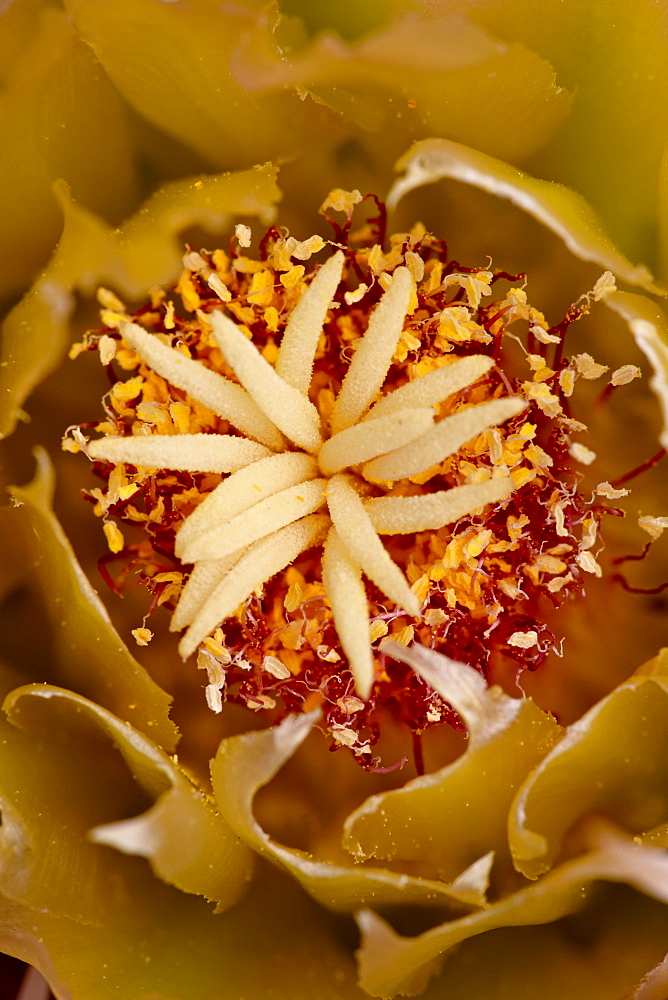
[332,443]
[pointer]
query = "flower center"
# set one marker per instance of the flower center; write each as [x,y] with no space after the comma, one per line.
[328,445]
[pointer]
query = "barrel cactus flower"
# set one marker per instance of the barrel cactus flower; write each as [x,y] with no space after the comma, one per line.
[393,473]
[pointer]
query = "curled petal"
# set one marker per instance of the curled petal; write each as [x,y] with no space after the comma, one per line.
[88,916]
[87,649]
[138,255]
[563,211]
[244,764]
[599,766]
[390,963]
[57,114]
[618,116]
[443,71]
[449,819]
[649,325]
[186,841]
[188,92]
[654,983]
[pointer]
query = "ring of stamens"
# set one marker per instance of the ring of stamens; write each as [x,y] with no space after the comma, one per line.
[283,447]
[295,480]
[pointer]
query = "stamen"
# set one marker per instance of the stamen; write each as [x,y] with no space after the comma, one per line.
[363,441]
[342,578]
[373,357]
[285,406]
[648,464]
[442,441]
[359,537]
[297,351]
[291,568]
[618,578]
[223,397]
[254,523]
[259,563]
[184,452]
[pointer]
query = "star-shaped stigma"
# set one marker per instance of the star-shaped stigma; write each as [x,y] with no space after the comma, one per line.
[297,478]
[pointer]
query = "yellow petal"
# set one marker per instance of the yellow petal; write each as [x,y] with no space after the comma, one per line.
[439,74]
[189,92]
[624,774]
[391,964]
[55,105]
[133,258]
[436,820]
[649,325]
[89,916]
[619,115]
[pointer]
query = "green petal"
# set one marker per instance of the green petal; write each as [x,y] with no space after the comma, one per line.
[613,761]
[100,925]
[187,843]
[565,960]
[449,819]
[86,653]
[390,963]
[145,251]
[562,210]
[244,764]
[60,118]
